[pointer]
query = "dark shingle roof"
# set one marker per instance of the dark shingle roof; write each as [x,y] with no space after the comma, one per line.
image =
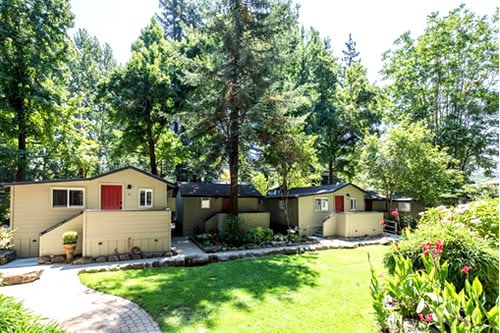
[314,190]
[92,178]
[216,190]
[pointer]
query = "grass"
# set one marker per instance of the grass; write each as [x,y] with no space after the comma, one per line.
[326,291]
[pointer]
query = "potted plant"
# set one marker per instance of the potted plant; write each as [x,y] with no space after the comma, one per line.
[69,243]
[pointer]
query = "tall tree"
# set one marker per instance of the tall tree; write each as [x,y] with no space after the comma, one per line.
[350,55]
[176,15]
[405,161]
[237,70]
[143,99]
[448,78]
[34,42]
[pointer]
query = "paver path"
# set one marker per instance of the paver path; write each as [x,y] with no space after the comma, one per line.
[60,296]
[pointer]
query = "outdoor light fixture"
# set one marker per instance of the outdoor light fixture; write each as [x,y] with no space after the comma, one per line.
[129,186]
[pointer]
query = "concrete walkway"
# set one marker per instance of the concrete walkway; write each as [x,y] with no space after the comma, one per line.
[59,296]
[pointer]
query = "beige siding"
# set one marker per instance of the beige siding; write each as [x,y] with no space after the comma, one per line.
[194,217]
[32,211]
[51,242]
[310,218]
[359,224]
[110,232]
[416,207]
[251,220]
[353,193]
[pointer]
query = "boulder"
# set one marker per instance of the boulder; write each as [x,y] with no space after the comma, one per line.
[21,278]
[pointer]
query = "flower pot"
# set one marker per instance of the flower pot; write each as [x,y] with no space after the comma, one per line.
[69,249]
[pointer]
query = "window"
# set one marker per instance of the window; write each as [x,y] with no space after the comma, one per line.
[320,204]
[67,198]
[205,202]
[145,198]
[353,204]
[282,205]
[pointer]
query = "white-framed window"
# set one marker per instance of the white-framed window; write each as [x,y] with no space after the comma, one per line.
[354,205]
[145,197]
[320,204]
[205,202]
[68,197]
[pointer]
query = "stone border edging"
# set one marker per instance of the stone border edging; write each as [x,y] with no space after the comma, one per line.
[205,259]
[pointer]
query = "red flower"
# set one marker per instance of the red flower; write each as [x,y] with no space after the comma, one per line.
[395,213]
[382,223]
[438,247]
[466,270]
[421,317]
[426,253]
[428,317]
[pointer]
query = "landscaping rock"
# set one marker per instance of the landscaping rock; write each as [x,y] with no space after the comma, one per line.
[124,257]
[101,259]
[83,261]
[113,258]
[10,280]
[7,256]
[58,259]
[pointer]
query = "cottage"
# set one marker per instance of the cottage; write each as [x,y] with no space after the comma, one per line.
[201,207]
[112,213]
[330,210]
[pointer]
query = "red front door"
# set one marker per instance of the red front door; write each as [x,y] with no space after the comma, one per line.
[111,197]
[339,203]
[226,205]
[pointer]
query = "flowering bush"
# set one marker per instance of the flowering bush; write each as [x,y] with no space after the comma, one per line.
[460,248]
[426,298]
[479,216]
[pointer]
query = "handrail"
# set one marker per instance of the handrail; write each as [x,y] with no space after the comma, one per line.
[61,223]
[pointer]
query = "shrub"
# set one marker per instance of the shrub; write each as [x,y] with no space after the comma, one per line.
[6,236]
[260,235]
[461,248]
[70,237]
[425,297]
[14,318]
[234,231]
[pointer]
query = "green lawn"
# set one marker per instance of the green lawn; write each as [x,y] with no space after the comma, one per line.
[325,291]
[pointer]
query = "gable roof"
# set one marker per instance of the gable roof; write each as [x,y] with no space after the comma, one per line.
[298,192]
[217,190]
[169,184]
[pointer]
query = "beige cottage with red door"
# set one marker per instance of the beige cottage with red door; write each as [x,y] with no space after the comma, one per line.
[326,210]
[112,212]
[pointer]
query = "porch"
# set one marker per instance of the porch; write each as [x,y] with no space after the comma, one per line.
[353,224]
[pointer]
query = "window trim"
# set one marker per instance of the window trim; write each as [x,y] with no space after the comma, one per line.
[205,200]
[146,190]
[322,206]
[68,198]
[355,201]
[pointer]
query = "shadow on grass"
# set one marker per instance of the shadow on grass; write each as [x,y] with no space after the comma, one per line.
[179,297]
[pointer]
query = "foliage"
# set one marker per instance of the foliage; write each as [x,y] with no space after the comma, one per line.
[15,318]
[406,161]
[70,237]
[6,237]
[448,78]
[461,248]
[324,291]
[144,101]
[259,235]
[34,48]
[479,216]
[176,15]
[234,231]
[426,296]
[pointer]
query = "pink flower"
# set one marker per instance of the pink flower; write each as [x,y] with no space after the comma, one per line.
[382,223]
[466,270]
[395,213]
[428,317]
[421,317]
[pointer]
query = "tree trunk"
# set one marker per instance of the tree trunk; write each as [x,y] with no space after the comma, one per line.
[234,160]
[151,142]
[330,171]
[21,142]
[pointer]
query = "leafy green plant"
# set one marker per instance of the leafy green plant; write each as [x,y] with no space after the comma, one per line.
[461,248]
[15,318]
[260,235]
[70,237]
[426,297]
[6,236]
[234,231]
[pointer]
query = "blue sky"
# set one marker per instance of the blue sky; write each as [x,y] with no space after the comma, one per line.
[374,25]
